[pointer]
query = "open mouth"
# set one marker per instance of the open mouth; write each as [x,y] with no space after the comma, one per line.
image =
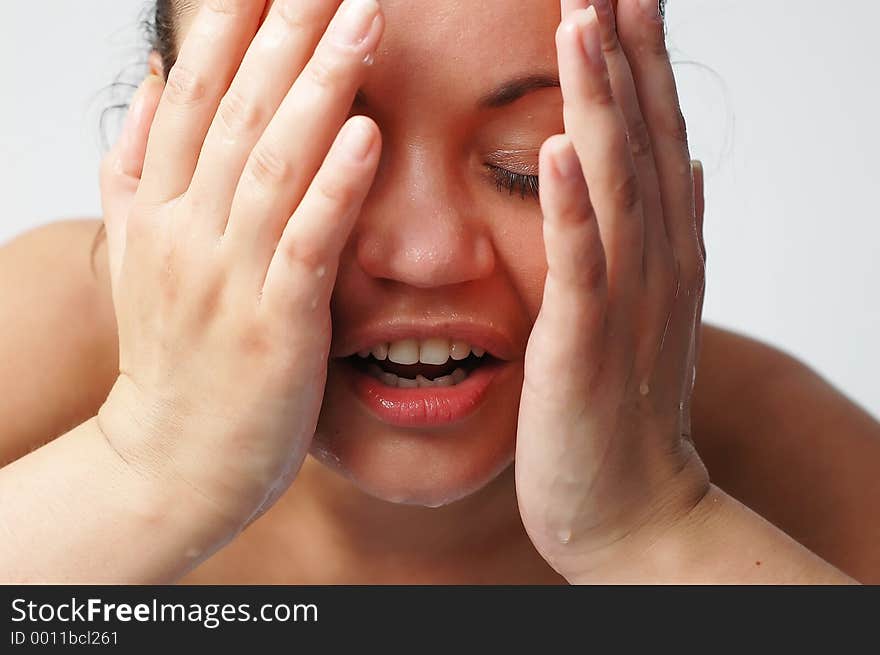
[411,364]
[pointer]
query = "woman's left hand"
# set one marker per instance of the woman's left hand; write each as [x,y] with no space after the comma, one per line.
[604,460]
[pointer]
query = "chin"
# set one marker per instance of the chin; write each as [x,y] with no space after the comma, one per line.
[431,464]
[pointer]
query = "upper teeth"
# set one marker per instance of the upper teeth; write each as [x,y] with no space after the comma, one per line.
[428,351]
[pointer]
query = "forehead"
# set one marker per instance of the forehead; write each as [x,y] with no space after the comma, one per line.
[481,39]
[446,54]
[466,33]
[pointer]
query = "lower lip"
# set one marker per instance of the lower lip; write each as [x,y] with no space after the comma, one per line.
[424,406]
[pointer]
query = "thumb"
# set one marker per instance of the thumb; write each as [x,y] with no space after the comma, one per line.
[123,165]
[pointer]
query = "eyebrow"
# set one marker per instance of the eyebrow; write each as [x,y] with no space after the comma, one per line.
[505,94]
[514,89]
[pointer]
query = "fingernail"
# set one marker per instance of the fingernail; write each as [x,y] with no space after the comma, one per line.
[651,8]
[357,140]
[590,37]
[356,20]
[567,162]
[135,110]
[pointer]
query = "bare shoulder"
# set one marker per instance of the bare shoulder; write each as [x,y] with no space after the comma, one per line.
[57,332]
[779,437]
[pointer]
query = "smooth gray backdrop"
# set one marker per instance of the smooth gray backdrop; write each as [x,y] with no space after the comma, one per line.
[782,103]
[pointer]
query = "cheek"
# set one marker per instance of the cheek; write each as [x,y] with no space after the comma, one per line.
[520,250]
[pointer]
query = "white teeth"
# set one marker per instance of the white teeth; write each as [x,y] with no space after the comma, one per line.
[392,380]
[380,352]
[434,351]
[460,350]
[404,352]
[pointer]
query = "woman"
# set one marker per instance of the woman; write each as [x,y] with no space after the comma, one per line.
[353,195]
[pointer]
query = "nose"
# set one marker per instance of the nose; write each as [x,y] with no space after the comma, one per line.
[415,228]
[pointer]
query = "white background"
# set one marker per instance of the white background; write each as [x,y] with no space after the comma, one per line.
[782,103]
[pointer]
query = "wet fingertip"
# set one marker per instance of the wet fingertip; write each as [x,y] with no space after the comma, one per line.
[358,138]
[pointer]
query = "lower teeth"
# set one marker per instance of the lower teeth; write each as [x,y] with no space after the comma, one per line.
[458,376]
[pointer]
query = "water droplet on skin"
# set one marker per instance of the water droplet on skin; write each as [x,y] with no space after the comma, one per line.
[321,272]
[314,303]
[564,536]
[644,389]
[369,59]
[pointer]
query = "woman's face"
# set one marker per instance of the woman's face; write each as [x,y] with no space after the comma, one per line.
[464,93]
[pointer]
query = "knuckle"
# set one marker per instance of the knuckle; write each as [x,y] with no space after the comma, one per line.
[268,168]
[227,6]
[325,71]
[594,273]
[628,193]
[293,15]
[305,255]
[212,299]
[601,94]
[184,87]
[577,209]
[255,340]
[639,138]
[694,271]
[238,114]
[335,195]
[655,39]
[677,127]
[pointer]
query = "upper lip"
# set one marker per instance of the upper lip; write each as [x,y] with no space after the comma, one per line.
[488,337]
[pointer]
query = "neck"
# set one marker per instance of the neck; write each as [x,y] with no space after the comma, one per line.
[325,530]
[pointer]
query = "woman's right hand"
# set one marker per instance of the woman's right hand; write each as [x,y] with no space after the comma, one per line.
[224,258]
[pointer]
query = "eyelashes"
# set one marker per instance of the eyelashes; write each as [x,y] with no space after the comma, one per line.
[526,186]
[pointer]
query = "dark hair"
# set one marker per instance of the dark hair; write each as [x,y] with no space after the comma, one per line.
[164,33]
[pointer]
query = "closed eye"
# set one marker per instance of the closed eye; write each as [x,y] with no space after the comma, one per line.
[523,185]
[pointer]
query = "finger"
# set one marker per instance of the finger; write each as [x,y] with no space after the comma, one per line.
[643,37]
[302,271]
[699,202]
[208,59]
[658,252]
[576,287]
[274,59]
[597,130]
[295,143]
[122,166]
